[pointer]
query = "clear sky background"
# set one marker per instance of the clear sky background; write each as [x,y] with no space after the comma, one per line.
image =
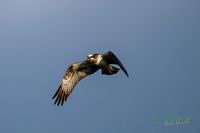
[158,42]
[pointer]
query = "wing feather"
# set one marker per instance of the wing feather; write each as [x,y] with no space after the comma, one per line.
[112,59]
[70,80]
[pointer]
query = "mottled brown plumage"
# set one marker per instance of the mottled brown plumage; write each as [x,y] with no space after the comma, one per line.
[72,76]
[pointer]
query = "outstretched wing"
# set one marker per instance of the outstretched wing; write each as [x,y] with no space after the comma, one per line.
[111,58]
[70,80]
[73,75]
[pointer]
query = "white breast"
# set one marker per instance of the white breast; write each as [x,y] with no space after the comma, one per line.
[99,58]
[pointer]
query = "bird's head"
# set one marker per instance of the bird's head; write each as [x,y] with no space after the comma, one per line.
[95,58]
[92,57]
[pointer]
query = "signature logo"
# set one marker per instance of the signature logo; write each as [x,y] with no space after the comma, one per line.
[173,120]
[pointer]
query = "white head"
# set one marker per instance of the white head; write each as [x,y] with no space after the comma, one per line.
[95,58]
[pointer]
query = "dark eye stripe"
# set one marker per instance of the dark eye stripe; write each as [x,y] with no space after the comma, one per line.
[95,55]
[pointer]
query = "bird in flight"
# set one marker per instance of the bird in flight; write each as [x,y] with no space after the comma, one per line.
[80,70]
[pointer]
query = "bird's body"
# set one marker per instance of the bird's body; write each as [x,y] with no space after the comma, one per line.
[80,70]
[109,70]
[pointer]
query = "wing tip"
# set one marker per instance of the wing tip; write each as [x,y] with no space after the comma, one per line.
[127,75]
[60,98]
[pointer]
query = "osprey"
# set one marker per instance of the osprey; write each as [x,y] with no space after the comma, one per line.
[80,70]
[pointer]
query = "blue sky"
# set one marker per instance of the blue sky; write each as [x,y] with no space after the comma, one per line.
[157,41]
